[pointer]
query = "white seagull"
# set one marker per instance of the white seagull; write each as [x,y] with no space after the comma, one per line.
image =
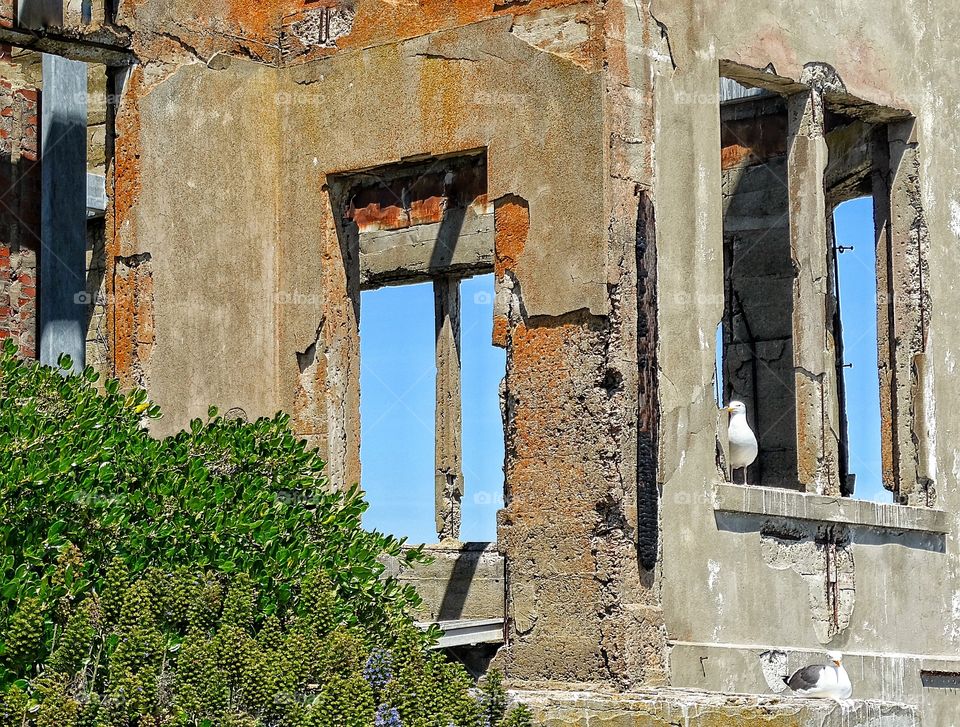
[825,681]
[743,442]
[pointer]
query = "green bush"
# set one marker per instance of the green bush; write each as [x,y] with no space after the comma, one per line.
[187,650]
[82,482]
[209,578]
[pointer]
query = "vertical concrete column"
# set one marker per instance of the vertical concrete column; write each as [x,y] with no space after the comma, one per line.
[814,359]
[903,309]
[63,147]
[449,446]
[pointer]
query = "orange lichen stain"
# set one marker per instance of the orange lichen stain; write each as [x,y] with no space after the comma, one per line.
[260,20]
[126,189]
[540,351]
[383,21]
[753,140]
[546,363]
[511,219]
[734,155]
[501,327]
[127,179]
[122,328]
[133,323]
[617,57]
[442,93]
[426,211]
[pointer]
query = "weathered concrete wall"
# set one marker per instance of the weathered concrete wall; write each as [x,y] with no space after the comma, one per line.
[724,599]
[463,581]
[550,260]
[232,282]
[203,291]
[275,309]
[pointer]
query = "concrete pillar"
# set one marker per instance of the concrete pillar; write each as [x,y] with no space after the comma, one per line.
[903,310]
[814,357]
[449,446]
[63,147]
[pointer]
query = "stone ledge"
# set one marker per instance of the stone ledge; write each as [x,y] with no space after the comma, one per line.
[463,581]
[774,502]
[665,707]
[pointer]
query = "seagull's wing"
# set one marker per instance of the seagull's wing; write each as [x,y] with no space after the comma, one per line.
[806,678]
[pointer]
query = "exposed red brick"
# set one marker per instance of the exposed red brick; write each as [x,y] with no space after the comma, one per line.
[752,141]
[415,199]
[19,216]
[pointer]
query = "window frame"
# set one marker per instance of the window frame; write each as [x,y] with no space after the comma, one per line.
[903,302]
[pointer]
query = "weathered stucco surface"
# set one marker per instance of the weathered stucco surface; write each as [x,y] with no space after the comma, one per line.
[214,279]
[724,605]
[232,277]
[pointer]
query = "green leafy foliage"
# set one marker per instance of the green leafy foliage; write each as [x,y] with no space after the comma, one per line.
[82,483]
[208,578]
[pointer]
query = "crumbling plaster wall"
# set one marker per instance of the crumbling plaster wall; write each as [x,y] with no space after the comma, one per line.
[563,99]
[717,589]
[576,604]
[254,301]
[436,95]
[195,202]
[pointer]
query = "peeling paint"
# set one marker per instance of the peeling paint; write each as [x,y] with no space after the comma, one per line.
[823,558]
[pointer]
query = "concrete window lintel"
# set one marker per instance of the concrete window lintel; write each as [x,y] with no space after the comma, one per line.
[750,500]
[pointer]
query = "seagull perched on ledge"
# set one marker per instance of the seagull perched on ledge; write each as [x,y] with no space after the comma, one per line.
[743,442]
[825,681]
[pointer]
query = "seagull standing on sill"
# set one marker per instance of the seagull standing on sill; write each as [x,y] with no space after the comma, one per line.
[742,440]
[825,681]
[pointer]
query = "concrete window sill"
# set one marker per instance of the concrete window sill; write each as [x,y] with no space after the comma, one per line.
[749,500]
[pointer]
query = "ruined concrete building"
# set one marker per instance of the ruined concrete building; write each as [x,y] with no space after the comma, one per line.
[216,181]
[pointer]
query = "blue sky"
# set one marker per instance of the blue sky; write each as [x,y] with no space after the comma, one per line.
[397,384]
[858,313]
[398,397]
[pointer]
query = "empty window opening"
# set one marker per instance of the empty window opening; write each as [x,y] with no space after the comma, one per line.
[397,375]
[826,248]
[755,357]
[718,388]
[483,367]
[430,223]
[857,297]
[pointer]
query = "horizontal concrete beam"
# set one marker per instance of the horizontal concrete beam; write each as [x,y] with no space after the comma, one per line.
[422,251]
[463,581]
[806,506]
[695,708]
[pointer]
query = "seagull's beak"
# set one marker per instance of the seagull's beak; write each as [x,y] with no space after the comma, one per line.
[728,409]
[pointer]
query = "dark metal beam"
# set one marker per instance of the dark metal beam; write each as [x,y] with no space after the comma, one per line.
[102,45]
